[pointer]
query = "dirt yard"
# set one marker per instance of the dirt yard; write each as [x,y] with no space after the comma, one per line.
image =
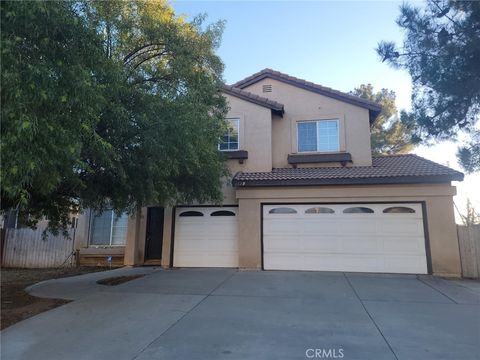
[117,280]
[17,305]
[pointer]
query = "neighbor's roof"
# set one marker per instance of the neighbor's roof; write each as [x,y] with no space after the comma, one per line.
[373,107]
[387,169]
[259,100]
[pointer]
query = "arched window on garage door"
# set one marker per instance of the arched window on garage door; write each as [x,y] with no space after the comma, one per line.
[358,210]
[319,210]
[282,210]
[191,213]
[399,210]
[222,213]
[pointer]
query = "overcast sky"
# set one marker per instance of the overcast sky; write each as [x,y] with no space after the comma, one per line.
[329,43]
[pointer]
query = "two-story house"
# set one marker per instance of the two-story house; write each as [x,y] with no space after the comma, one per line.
[306,194]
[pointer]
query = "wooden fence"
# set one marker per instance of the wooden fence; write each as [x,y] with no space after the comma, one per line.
[25,248]
[469,244]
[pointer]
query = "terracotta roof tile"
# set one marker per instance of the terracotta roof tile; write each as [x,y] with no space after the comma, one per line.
[388,169]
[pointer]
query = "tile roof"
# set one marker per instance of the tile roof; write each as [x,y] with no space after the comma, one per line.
[373,107]
[256,99]
[387,169]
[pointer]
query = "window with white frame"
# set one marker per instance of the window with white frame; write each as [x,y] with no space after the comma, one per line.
[230,141]
[108,229]
[318,136]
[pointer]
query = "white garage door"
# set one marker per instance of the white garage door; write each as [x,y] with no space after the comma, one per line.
[206,237]
[344,237]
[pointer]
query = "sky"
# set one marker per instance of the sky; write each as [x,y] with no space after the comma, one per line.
[331,43]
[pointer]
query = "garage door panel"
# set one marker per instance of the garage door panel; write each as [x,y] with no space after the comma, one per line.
[218,245]
[305,243]
[404,245]
[353,245]
[201,260]
[368,242]
[356,226]
[409,226]
[206,241]
[405,264]
[294,225]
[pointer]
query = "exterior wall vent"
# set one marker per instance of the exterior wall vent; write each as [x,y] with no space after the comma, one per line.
[267,88]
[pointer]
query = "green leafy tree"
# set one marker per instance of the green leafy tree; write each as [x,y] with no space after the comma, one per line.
[391,133]
[107,104]
[441,51]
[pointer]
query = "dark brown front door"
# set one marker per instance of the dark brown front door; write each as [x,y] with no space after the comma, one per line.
[154,237]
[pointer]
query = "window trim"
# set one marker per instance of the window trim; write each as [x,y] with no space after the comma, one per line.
[337,120]
[237,119]
[110,245]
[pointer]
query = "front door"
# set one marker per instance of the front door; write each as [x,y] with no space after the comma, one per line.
[154,234]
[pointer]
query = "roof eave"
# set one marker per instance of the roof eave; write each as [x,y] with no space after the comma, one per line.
[275,107]
[433,179]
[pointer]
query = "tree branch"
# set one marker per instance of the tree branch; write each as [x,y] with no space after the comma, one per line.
[149,58]
[137,49]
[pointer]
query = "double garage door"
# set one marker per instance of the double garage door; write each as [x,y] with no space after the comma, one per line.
[324,237]
[344,237]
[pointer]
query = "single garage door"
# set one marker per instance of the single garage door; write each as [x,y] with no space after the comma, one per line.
[385,238]
[206,237]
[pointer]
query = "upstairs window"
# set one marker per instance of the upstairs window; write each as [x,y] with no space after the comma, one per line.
[230,140]
[108,229]
[318,136]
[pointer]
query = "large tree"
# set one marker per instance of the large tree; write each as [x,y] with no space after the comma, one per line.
[107,104]
[441,51]
[391,132]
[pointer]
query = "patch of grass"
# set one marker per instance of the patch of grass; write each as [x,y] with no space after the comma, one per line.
[117,280]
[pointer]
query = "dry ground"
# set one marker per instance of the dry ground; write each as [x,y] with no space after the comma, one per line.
[17,304]
[117,280]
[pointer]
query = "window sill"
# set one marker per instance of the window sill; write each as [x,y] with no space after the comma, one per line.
[236,154]
[319,158]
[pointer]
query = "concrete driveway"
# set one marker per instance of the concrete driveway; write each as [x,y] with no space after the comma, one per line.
[228,314]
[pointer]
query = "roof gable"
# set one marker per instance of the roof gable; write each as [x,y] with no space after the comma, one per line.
[275,106]
[374,108]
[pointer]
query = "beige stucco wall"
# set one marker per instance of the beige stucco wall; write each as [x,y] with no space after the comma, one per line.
[255,136]
[300,104]
[439,208]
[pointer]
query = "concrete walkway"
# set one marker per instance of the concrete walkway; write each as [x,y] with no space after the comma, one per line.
[76,287]
[228,314]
